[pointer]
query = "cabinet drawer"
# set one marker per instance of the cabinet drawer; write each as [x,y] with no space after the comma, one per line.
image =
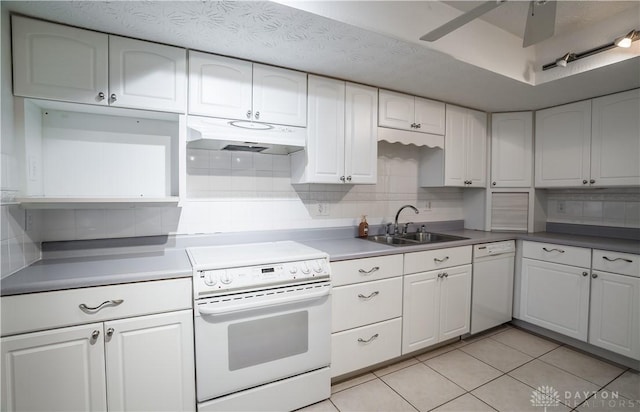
[436,259]
[358,348]
[549,252]
[37,311]
[616,262]
[362,270]
[366,303]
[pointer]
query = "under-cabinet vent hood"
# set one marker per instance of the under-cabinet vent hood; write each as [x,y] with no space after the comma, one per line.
[241,135]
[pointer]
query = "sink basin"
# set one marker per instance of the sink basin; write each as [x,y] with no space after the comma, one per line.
[414,238]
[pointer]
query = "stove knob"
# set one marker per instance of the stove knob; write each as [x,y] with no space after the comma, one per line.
[305,268]
[210,278]
[318,266]
[293,270]
[226,278]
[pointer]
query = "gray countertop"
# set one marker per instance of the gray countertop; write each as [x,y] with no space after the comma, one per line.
[172,262]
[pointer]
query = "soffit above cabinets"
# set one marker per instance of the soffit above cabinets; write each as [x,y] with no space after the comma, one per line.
[375,42]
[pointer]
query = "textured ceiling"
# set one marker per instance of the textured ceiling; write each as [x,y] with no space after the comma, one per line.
[276,34]
[570,15]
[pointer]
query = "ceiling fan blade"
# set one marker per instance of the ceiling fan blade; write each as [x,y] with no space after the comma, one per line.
[461,20]
[541,22]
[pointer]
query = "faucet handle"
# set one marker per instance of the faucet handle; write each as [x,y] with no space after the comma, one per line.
[387,230]
[406,227]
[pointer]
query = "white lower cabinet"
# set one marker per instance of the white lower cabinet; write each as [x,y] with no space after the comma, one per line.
[436,307]
[60,369]
[555,297]
[614,322]
[134,355]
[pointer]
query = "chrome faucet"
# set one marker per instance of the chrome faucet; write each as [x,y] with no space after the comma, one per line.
[395,225]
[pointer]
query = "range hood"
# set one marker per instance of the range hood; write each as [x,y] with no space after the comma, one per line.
[240,135]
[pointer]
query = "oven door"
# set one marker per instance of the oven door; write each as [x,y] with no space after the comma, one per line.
[250,339]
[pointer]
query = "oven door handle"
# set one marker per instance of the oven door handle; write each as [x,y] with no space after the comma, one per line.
[204,310]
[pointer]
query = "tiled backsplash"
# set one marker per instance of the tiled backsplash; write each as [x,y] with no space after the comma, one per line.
[238,191]
[601,207]
[20,246]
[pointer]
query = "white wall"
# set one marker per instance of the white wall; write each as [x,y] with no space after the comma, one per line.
[18,247]
[234,191]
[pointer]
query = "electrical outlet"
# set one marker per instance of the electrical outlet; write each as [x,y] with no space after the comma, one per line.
[427,206]
[560,208]
[322,209]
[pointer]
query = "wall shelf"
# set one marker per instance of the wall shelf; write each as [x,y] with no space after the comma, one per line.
[94,203]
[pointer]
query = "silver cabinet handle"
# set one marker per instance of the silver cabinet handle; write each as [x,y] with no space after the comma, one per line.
[95,334]
[370,271]
[592,181]
[440,275]
[110,332]
[493,183]
[441,260]
[342,178]
[257,115]
[413,125]
[584,182]
[594,275]
[100,96]
[553,250]
[618,258]
[87,309]
[585,273]
[113,97]
[445,274]
[368,340]
[248,114]
[348,178]
[372,294]
[419,125]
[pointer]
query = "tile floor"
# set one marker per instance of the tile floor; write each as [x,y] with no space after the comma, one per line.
[505,369]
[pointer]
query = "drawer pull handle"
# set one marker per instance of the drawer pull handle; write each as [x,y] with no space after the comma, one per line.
[585,273]
[368,340]
[553,250]
[618,258]
[110,332]
[372,294]
[441,260]
[370,271]
[95,334]
[594,275]
[87,309]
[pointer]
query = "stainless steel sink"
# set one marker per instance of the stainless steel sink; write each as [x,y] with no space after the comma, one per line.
[413,238]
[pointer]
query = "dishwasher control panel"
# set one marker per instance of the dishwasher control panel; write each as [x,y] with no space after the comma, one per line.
[495,248]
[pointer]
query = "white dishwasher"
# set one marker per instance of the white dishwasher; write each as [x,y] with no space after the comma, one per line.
[492,297]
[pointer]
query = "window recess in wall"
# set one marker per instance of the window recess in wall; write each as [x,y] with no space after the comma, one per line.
[509,211]
[80,156]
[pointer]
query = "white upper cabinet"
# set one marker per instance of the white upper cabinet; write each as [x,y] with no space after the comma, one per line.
[237,89]
[219,86]
[402,111]
[361,142]
[341,135]
[615,140]
[511,149]
[463,162]
[145,75]
[52,61]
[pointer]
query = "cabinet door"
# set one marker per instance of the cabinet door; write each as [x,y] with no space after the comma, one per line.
[219,86]
[555,297]
[146,75]
[54,370]
[475,148]
[429,116]
[420,311]
[396,110]
[325,134]
[563,145]
[150,363]
[454,147]
[52,61]
[615,140]
[455,302]
[511,149]
[615,313]
[279,96]
[361,134]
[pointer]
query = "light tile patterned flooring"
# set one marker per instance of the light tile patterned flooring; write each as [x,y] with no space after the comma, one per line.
[501,370]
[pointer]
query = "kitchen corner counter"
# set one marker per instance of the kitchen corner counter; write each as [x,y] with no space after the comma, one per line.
[77,272]
[594,242]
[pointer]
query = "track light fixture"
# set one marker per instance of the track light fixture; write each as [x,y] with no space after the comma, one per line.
[624,41]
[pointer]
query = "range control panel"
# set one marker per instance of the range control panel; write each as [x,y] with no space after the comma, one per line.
[258,277]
